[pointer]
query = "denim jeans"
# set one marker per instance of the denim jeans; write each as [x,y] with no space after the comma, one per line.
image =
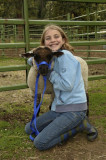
[52,125]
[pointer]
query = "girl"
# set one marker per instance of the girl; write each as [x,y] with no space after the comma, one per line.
[68,111]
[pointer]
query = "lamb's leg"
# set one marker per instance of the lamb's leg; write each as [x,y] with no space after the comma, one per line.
[87,104]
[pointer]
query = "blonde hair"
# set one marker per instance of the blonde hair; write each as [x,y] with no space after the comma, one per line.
[66,45]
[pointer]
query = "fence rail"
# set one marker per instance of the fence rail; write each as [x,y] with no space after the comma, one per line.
[13,68]
[44,22]
[15,87]
[24,67]
[35,44]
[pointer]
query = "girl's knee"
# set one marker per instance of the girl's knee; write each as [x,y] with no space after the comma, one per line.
[40,144]
[27,128]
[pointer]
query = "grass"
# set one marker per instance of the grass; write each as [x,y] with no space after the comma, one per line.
[15,144]
[12,136]
[98,103]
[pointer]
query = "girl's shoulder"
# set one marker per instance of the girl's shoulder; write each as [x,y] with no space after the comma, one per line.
[30,61]
[67,58]
[66,51]
[68,55]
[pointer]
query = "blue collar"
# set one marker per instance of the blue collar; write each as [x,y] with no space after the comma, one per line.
[43,62]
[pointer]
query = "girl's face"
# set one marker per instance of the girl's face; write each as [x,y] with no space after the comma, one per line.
[53,40]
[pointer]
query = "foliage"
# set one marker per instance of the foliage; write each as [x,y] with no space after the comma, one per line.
[11,9]
[43,9]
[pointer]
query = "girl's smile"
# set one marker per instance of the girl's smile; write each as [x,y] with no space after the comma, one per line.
[53,40]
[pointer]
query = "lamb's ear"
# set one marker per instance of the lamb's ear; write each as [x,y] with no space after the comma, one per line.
[27,55]
[58,54]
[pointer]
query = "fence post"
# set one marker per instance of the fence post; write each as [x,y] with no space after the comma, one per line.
[96,35]
[26,32]
[26,25]
[68,16]
[88,19]
[2,37]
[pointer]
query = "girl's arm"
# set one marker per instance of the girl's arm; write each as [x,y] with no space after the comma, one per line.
[65,79]
[30,61]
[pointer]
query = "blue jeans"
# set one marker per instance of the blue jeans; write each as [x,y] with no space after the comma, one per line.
[52,125]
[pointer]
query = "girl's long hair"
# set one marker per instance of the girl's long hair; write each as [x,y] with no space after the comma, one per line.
[66,45]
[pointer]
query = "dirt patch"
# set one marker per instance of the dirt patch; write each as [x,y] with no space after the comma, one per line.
[96,69]
[12,78]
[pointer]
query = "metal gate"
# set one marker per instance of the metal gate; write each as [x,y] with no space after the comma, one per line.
[26,22]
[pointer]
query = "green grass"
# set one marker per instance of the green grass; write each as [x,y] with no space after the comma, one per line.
[16,144]
[12,136]
[13,140]
[97,95]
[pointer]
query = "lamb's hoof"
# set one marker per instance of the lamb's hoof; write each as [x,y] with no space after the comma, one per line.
[93,134]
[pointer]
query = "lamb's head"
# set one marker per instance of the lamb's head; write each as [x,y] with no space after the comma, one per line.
[42,54]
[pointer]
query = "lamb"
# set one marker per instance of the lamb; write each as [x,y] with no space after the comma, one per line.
[45,54]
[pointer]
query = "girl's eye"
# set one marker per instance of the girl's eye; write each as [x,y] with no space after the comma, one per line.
[56,36]
[47,38]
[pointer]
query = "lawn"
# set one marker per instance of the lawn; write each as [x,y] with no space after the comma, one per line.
[16,109]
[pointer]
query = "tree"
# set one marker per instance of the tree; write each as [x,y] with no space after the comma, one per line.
[10,9]
[43,9]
